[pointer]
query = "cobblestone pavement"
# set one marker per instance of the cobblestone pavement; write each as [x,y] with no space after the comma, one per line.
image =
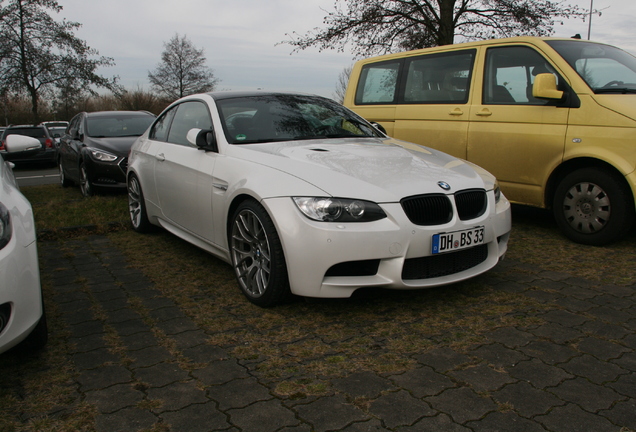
[575,372]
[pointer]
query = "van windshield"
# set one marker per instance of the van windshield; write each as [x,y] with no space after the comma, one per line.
[606,69]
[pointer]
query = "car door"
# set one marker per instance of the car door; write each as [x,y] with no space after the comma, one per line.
[70,147]
[434,95]
[183,173]
[518,138]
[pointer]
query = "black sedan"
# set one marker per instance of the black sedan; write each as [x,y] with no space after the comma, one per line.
[94,151]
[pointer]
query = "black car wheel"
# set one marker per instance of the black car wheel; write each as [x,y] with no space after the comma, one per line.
[64,181]
[593,207]
[85,184]
[137,207]
[257,255]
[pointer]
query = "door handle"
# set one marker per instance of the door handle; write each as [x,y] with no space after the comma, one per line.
[160,157]
[484,113]
[456,112]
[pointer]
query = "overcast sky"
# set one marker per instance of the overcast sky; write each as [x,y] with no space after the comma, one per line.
[240,38]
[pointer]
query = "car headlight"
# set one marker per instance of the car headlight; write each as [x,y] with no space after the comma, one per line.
[102,156]
[5,226]
[339,209]
[497,192]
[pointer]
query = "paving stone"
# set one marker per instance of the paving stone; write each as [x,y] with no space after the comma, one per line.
[595,370]
[87,329]
[557,333]
[87,343]
[627,361]
[462,404]
[508,421]
[604,330]
[440,423]
[140,340]
[155,303]
[202,353]
[609,314]
[526,400]
[196,418]
[549,352]
[575,290]
[423,382]
[617,290]
[263,416]
[130,327]
[610,301]
[601,349]
[103,377]
[328,413]
[238,393]
[190,339]
[93,359]
[177,396]
[572,418]
[220,372]
[161,374]
[127,419]
[115,304]
[165,313]
[564,318]
[510,337]
[177,326]
[363,384]
[623,414]
[625,385]
[512,287]
[442,359]
[114,398]
[149,356]
[538,373]
[372,425]
[591,397]
[122,315]
[543,296]
[482,378]
[78,316]
[499,356]
[399,409]
[574,304]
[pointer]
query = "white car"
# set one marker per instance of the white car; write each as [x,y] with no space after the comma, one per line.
[302,196]
[22,316]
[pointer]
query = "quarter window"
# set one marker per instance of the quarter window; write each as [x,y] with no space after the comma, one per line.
[378,83]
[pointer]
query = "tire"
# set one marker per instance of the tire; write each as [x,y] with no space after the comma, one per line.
[64,181]
[257,256]
[137,207]
[593,207]
[85,184]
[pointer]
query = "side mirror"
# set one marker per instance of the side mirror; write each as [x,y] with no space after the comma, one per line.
[545,87]
[379,127]
[204,139]
[20,143]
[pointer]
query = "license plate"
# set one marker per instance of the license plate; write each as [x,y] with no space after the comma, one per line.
[452,241]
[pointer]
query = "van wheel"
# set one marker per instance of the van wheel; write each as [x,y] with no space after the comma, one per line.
[593,207]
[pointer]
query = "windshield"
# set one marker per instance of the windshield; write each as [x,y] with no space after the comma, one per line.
[606,69]
[269,118]
[117,126]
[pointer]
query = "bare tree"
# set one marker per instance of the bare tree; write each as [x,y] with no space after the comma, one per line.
[38,53]
[370,27]
[341,84]
[182,70]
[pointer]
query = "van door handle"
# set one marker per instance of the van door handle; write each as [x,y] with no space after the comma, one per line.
[484,113]
[456,112]
[160,157]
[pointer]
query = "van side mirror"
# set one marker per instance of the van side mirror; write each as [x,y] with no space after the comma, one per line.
[545,87]
[379,127]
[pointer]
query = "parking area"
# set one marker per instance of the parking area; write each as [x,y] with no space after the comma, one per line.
[524,348]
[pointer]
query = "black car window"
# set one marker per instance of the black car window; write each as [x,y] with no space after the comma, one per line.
[74,126]
[190,115]
[160,129]
[117,125]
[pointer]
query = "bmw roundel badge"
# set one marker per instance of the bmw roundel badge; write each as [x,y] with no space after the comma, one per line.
[443,185]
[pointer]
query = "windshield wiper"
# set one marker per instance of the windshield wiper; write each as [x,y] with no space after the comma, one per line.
[621,90]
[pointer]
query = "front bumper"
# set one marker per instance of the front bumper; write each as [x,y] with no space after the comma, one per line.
[335,259]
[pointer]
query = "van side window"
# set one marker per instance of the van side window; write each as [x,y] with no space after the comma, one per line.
[510,73]
[439,78]
[378,83]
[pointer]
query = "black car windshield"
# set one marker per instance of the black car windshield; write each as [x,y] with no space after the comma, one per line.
[282,117]
[605,68]
[117,126]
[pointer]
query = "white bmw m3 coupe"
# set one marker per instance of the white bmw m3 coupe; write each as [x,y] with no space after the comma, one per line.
[302,196]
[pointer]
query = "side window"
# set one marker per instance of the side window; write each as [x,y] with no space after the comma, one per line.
[378,83]
[510,73]
[159,131]
[189,115]
[439,78]
[74,126]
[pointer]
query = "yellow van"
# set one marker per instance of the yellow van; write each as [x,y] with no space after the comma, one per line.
[553,119]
